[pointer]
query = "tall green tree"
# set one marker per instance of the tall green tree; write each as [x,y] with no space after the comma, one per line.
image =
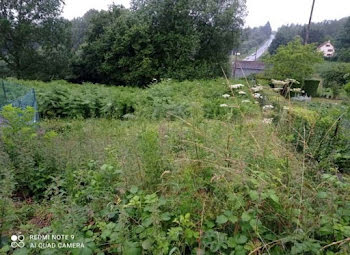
[179,39]
[80,28]
[294,60]
[343,42]
[33,37]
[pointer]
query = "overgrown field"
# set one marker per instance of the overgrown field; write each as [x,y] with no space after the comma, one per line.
[178,168]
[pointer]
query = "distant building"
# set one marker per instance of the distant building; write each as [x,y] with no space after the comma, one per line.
[245,68]
[327,49]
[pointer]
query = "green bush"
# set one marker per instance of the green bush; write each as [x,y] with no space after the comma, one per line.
[310,87]
[335,74]
[347,89]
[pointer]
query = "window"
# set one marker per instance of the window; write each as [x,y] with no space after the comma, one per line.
[330,50]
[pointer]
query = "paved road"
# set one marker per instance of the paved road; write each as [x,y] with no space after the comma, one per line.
[261,50]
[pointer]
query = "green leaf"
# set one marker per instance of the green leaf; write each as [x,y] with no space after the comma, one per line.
[147,244]
[233,219]
[134,189]
[221,219]
[254,195]
[246,216]
[89,233]
[242,239]
[274,198]
[231,242]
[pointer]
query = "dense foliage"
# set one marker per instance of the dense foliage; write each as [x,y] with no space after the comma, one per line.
[216,180]
[175,39]
[343,42]
[294,60]
[152,40]
[35,41]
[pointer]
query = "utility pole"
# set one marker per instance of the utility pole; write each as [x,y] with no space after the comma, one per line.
[308,27]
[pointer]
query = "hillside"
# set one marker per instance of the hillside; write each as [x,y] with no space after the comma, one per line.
[319,33]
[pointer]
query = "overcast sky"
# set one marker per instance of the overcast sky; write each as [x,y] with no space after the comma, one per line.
[278,12]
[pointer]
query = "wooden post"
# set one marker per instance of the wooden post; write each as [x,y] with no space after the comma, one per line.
[234,66]
[256,52]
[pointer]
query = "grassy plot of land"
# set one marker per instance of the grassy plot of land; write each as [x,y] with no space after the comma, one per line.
[174,169]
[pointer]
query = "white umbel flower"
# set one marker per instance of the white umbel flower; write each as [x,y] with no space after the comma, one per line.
[223,105]
[257,88]
[225,95]
[241,92]
[236,86]
[257,95]
[268,107]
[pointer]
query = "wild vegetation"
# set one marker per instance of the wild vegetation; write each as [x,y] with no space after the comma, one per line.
[178,161]
[195,168]
[151,40]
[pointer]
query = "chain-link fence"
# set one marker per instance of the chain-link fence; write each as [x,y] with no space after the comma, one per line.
[18,96]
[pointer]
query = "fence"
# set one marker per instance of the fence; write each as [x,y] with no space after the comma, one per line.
[18,96]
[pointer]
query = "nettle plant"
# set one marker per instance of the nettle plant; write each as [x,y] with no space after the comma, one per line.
[23,143]
[143,225]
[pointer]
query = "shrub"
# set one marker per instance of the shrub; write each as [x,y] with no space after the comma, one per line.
[335,74]
[310,87]
[347,89]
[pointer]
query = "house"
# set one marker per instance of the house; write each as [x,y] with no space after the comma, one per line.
[327,49]
[245,68]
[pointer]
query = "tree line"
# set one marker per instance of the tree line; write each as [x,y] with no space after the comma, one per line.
[153,39]
[337,31]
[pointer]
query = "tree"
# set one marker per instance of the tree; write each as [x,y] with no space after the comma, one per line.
[337,74]
[283,36]
[179,39]
[316,35]
[343,43]
[33,37]
[118,50]
[193,38]
[294,60]
[80,27]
